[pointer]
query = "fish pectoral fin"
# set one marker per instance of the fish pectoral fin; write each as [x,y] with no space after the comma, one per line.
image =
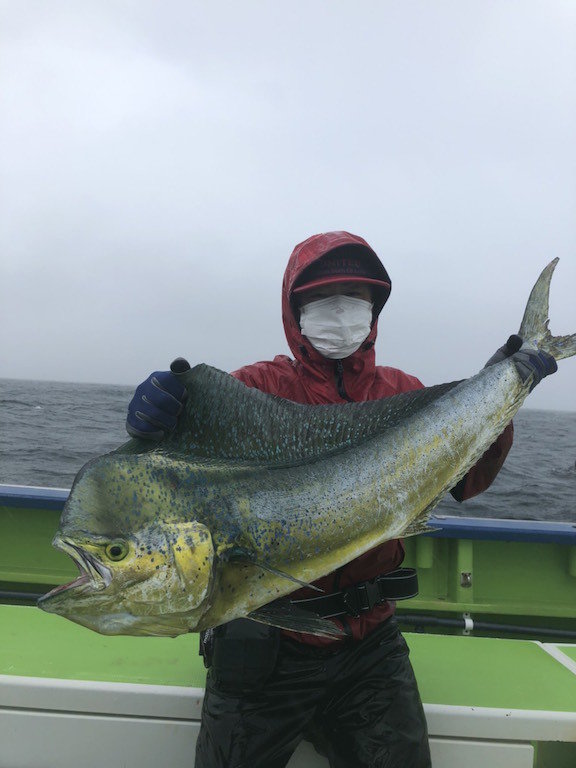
[193,555]
[417,527]
[283,614]
[420,524]
[288,576]
[235,554]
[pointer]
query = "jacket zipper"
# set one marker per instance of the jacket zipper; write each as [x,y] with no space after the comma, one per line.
[339,371]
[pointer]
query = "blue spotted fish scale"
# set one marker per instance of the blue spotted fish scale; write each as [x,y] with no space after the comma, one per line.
[253,495]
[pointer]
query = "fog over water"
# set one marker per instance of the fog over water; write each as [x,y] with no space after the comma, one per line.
[160,160]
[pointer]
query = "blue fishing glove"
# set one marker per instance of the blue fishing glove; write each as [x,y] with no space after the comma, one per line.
[528,362]
[154,409]
[535,363]
[512,345]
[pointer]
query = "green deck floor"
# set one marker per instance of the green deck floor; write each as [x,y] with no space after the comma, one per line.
[464,671]
[38,644]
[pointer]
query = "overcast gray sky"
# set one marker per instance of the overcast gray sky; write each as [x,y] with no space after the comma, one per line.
[159,161]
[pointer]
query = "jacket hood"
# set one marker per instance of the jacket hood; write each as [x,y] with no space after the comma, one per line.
[303,256]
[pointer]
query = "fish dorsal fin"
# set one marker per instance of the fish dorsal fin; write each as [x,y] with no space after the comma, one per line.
[224,419]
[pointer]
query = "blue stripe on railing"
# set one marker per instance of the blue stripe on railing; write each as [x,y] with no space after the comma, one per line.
[30,497]
[502,530]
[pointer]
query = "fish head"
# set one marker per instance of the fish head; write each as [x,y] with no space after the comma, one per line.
[157,581]
[144,566]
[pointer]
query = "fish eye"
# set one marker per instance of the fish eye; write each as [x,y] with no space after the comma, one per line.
[116,550]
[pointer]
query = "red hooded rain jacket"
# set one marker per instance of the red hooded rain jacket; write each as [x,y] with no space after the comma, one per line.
[313,379]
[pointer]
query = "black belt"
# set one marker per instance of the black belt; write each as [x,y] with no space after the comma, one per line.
[361,598]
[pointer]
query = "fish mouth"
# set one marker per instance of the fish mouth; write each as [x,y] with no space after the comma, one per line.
[93,576]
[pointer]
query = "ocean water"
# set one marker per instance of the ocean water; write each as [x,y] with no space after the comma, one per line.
[48,430]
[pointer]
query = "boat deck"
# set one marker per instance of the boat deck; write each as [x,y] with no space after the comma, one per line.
[72,687]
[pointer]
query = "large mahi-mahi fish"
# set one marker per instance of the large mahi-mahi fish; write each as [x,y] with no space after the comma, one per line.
[253,495]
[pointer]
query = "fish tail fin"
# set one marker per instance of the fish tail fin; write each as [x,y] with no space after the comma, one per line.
[534,327]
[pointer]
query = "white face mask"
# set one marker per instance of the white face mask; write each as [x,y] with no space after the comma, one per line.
[336,326]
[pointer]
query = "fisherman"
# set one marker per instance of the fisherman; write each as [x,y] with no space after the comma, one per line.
[355,697]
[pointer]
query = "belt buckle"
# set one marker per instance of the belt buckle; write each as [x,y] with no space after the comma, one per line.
[351,602]
[373,596]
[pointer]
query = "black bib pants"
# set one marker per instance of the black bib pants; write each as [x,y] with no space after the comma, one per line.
[359,705]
